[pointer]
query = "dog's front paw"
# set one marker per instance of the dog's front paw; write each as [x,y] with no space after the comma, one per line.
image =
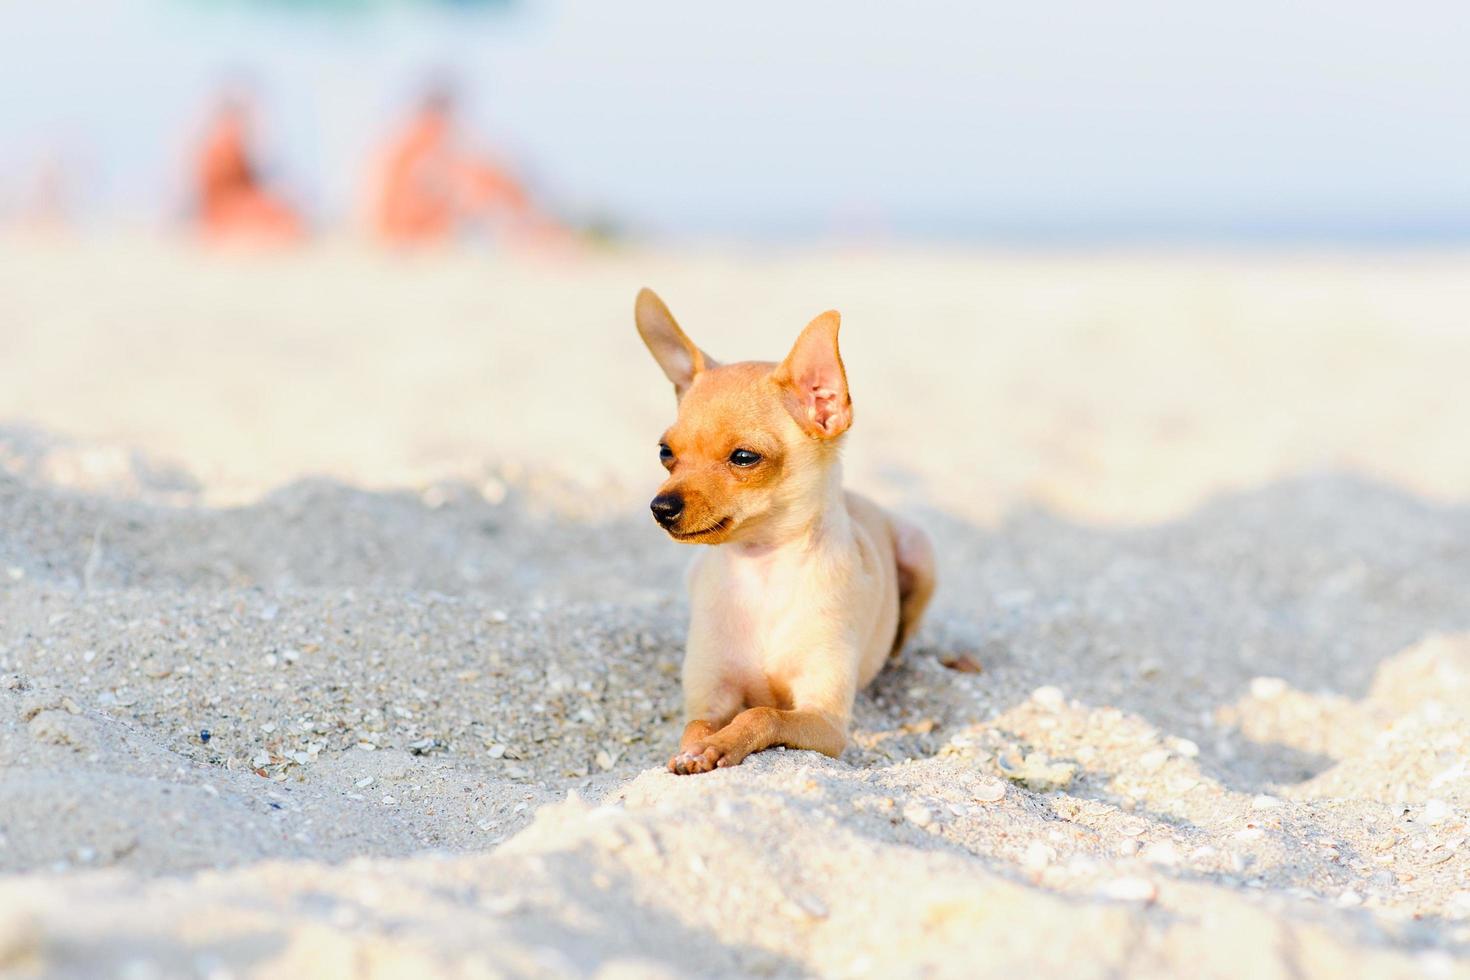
[699,758]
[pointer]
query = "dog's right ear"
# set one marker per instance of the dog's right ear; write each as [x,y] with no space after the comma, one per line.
[675,353]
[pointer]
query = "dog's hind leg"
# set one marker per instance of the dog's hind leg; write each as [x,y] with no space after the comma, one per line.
[914,554]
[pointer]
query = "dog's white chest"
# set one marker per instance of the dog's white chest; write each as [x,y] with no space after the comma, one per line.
[759,607]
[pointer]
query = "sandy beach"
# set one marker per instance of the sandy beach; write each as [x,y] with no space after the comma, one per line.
[335,639]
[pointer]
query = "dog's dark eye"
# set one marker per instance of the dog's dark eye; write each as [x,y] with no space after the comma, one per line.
[665,453]
[744,457]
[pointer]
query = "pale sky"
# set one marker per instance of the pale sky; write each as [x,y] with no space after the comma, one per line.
[1131,119]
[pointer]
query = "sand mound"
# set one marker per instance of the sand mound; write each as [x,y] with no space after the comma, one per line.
[408,717]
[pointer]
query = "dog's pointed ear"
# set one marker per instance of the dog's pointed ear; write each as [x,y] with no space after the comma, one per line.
[814,381]
[675,353]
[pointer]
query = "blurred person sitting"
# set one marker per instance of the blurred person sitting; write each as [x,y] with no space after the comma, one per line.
[429,188]
[231,200]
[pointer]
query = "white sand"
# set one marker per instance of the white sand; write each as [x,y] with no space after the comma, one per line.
[378,527]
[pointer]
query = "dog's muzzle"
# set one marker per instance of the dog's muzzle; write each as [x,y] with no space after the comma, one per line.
[667,509]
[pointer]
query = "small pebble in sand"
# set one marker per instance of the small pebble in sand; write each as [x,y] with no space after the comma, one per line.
[1163,853]
[1264,802]
[1186,747]
[1435,811]
[917,814]
[1127,848]
[204,735]
[990,792]
[1037,856]
[1048,697]
[804,905]
[1349,899]
[1267,688]
[1153,761]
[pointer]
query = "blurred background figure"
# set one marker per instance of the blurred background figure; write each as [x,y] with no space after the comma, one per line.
[430,187]
[46,206]
[232,202]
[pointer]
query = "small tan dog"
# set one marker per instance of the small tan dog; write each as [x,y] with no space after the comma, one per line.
[813,588]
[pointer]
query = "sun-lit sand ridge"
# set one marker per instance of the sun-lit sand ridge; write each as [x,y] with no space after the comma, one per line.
[377,527]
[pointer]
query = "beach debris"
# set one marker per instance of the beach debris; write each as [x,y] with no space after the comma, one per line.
[963,663]
[1036,771]
[205,735]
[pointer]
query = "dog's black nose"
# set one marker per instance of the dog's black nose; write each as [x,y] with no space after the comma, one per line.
[666,508]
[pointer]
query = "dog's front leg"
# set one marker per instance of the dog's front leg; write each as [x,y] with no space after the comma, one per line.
[755,729]
[690,757]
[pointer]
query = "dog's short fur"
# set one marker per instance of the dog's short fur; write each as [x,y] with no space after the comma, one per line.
[811,588]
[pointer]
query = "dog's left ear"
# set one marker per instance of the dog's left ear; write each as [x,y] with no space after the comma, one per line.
[814,380]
